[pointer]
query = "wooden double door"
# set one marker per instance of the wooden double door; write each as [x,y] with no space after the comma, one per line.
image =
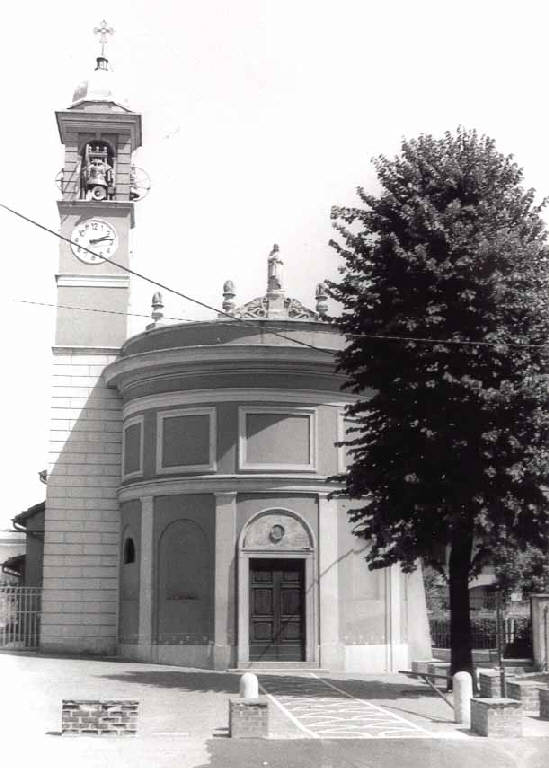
[277,609]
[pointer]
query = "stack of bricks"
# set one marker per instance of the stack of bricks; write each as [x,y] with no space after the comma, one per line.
[499,718]
[438,668]
[489,683]
[249,718]
[527,692]
[101,718]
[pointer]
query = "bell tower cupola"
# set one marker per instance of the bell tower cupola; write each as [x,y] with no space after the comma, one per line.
[100,133]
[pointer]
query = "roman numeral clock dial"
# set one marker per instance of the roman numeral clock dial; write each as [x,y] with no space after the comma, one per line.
[96,235]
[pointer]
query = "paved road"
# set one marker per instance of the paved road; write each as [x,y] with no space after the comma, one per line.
[184,718]
[322,710]
[379,753]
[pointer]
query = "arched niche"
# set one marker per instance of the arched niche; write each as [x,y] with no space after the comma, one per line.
[184,585]
[277,534]
[129,587]
[129,551]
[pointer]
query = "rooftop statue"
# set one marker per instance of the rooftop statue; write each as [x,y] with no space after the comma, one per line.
[274,271]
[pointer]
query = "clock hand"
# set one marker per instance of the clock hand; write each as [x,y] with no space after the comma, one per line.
[100,239]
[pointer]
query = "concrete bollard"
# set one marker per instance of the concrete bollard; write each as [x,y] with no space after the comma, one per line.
[248,686]
[462,684]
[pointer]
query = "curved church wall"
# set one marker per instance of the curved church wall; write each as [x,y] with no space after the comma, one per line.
[223,439]
[183,609]
[252,436]
[130,559]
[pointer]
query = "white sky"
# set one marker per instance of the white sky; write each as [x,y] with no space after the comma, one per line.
[258,116]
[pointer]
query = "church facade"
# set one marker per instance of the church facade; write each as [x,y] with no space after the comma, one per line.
[188,513]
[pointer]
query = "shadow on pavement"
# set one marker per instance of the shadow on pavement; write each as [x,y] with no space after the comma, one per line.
[228,682]
[375,753]
[216,682]
[62,656]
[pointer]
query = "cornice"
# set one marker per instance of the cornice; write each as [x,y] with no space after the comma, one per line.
[237,395]
[160,377]
[216,484]
[92,281]
[133,367]
[101,208]
[76,350]
[73,121]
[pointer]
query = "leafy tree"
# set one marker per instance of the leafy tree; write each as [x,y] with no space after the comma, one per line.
[445,294]
[526,570]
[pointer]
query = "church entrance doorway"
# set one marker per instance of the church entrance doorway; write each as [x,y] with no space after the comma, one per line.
[277,609]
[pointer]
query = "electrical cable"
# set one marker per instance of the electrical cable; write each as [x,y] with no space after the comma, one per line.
[155,282]
[95,309]
[246,321]
[418,339]
[446,341]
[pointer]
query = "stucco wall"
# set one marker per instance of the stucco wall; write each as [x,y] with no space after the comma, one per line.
[362,603]
[228,454]
[130,525]
[184,552]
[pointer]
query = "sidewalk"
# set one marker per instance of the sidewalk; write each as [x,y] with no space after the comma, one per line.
[183,719]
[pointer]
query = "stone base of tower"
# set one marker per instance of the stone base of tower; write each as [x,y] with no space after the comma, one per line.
[81,547]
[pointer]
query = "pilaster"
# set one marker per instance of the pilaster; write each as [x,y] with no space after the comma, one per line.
[331,650]
[397,650]
[146,576]
[539,607]
[225,591]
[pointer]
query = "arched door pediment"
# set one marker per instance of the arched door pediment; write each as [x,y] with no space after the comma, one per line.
[276,529]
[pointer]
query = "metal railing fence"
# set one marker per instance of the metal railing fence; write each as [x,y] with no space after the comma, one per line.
[20,616]
[517,634]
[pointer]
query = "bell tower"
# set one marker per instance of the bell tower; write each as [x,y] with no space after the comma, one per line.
[100,134]
[98,190]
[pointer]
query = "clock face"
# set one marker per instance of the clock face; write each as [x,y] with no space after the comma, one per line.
[97,235]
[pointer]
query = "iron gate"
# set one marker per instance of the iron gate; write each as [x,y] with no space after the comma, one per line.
[20,616]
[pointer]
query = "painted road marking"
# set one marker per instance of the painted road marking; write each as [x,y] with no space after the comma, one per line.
[323,711]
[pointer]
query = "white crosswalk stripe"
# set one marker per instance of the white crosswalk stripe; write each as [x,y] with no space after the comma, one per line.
[323,711]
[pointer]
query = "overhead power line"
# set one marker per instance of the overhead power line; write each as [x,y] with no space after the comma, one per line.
[232,320]
[462,342]
[156,283]
[95,309]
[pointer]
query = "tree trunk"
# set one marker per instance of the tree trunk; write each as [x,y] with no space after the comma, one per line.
[460,618]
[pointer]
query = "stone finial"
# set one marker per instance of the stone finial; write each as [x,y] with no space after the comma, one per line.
[274,273]
[229,293]
[157,313]
[321,299]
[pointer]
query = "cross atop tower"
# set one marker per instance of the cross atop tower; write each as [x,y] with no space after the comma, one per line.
[103,30]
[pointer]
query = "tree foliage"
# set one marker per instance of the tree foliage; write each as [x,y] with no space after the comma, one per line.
[524,570]
[445,294]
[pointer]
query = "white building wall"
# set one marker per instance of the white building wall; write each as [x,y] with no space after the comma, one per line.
[81,550]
